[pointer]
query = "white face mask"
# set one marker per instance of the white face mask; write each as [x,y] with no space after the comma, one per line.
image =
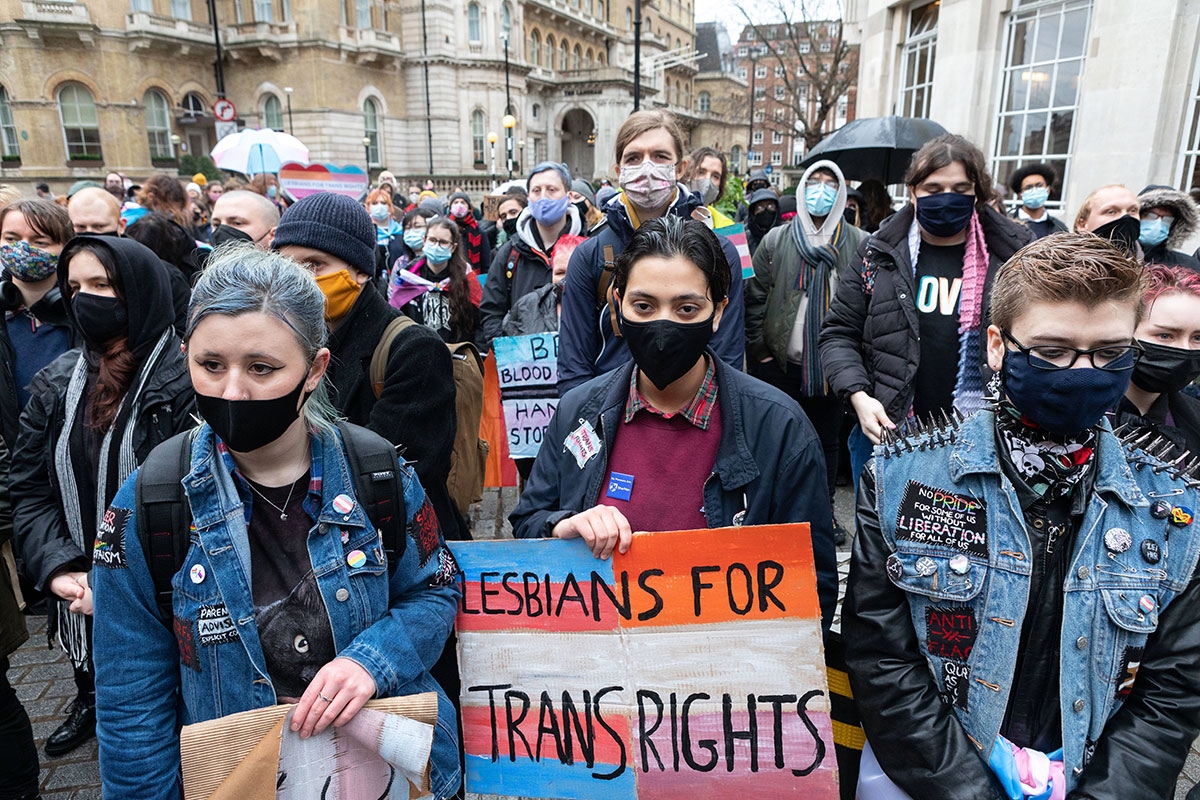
[648,185]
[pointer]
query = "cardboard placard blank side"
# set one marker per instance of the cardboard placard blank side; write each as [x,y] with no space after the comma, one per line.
[212,751]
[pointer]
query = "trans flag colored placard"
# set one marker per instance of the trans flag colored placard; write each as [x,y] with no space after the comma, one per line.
[737,234]
[528,369]
[691,666]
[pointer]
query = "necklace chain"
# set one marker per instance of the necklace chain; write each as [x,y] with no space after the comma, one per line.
[282,511]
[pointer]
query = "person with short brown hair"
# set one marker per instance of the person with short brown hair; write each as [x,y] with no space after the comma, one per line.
[1012,598]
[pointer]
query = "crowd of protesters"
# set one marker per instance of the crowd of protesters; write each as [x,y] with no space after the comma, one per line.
[260,350]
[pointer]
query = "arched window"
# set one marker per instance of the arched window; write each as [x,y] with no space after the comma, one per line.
[549,51]
[505,20]
[193,105]
[273,113]
[158,124]
[536,111]
[588,58]
[600,58]
[478,136]
[600,9]
[735,158]
[81,128]
[576,58]
[473,33]
[628,19]
[564,54]
[370,130]
[9,145]
[534,56]
[704,101]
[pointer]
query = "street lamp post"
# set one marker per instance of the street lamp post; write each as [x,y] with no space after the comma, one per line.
[753,76]
[521,144]
[491,137]
[366,140]
[288,91]
[637,55]
[509,122]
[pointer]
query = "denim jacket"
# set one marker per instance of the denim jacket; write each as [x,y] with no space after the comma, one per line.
[1113,593]
[152,678]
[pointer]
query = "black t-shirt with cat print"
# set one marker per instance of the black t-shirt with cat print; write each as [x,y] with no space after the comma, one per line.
[293,624]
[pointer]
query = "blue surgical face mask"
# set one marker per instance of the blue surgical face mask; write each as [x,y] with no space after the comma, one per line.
[1154,232]
[379,212]
[1035,197]
[549,212]
[437,253]
[414,238]
[272,192]
[945,213]
[1062,402]
[819,198]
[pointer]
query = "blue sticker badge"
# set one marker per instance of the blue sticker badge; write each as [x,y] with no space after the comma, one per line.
[620,486]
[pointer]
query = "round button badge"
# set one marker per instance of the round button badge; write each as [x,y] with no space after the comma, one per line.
[197,573]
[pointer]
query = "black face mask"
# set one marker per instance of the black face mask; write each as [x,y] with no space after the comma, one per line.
[510,227]
[100,319]
[1123,232]
[582,208]
[763,221]
[224,234]
[664,349]
[1165,369]
[246,425]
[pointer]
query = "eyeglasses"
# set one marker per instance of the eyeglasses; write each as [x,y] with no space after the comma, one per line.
[1151,214]
[442,242]
[1111,358]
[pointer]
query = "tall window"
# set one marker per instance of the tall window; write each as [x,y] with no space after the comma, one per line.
[704,101]
[505,20]
[181,9]
[81,128]
[735,158]
[1190,161]
[9,145]
[263,11]
[193,105]
[563,54]
[158,124]
[478,136]
[1042,69]
[362,14]
[916,67]
[273,113]
[576,58]
[473,33]
[534,56]
[141,5]
[370,129]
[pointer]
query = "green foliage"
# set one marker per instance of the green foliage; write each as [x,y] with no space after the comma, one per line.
[190,165]
[734,193]
[790,190]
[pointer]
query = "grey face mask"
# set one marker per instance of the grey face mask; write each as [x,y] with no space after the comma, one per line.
[706,189]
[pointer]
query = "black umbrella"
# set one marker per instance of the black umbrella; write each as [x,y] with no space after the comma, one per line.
[875,147]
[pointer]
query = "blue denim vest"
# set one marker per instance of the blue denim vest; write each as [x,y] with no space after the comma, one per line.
[393,626]
[962,556]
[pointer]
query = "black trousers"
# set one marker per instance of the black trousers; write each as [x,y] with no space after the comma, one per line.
[825,412]
[19,777]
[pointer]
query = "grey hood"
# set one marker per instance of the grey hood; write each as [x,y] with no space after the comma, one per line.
[1184,209]
[820,236]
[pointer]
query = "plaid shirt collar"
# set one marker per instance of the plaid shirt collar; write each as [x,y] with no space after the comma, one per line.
[698,412]
[312,501]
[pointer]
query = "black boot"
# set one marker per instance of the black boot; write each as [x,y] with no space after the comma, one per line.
[79,726]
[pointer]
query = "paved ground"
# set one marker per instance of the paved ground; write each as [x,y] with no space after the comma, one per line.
[42,676]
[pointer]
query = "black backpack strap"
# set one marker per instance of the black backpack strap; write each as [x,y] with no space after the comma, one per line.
[378,486]
[164,515]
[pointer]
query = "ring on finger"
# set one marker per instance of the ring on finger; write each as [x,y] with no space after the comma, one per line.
[323,697]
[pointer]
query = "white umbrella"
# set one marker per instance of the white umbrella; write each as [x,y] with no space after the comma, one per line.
[251,152]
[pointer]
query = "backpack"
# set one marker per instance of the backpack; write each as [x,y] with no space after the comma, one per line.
[165,516]
[468,458]
[604,288]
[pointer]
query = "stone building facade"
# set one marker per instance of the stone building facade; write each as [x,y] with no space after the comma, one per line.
[128,85]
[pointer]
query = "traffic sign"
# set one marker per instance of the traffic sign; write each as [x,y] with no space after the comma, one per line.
[224,110]
[224,129]
[768,169]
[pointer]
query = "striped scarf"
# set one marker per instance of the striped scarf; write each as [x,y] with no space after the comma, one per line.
[72,627]
[968,384]
[818,270]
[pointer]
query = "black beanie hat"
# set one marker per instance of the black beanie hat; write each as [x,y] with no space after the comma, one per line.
[333,224]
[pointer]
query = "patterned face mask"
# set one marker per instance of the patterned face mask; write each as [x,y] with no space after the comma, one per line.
[26,262]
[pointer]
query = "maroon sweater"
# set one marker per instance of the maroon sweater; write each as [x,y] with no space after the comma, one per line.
[669,459]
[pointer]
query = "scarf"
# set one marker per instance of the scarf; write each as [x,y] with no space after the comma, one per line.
[473,238]
[818,268]
[968,384]
[114,468]
[1051,466]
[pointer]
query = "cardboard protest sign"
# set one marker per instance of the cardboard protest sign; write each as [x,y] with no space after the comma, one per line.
[382,752]
[737,234]
[528,371]
[689,667]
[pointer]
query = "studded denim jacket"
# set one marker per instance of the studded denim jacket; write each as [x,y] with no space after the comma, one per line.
[152,678]
[962,556]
